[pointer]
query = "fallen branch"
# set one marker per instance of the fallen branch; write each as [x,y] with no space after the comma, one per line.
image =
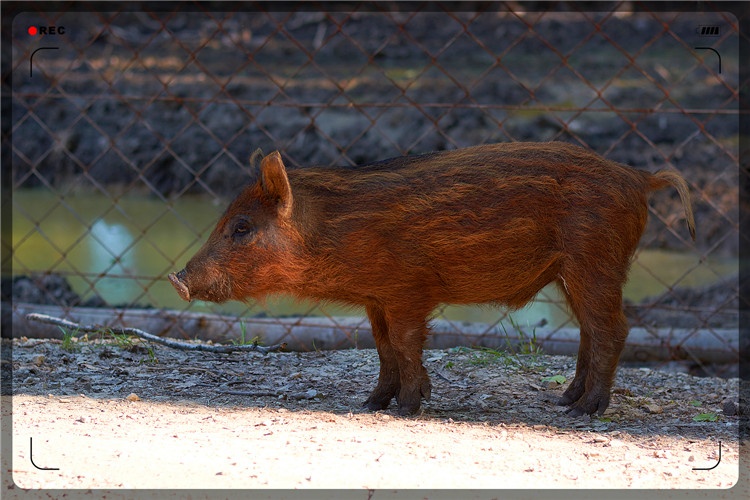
[43,318]
[702,345]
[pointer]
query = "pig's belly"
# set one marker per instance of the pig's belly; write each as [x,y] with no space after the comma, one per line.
[507,267]
[511,282]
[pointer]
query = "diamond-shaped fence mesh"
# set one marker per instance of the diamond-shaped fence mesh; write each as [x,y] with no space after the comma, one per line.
[131,130]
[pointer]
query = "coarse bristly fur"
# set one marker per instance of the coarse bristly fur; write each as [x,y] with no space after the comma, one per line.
[487,224]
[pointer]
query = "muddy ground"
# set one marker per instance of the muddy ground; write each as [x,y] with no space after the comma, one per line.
[121,414]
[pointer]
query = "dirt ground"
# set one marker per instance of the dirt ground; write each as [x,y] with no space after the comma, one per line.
[121,414]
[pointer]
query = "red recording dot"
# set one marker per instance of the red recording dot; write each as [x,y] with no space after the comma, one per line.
[32,30]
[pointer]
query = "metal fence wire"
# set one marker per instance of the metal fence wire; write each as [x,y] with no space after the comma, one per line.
[132,129]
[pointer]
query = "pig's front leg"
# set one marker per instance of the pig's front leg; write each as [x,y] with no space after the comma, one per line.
[407,340]
[399,340]
[389,380]
[415,384]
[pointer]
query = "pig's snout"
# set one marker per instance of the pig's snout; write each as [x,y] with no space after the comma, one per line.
[178,282]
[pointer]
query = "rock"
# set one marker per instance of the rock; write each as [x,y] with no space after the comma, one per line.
[730,408]
[654,409]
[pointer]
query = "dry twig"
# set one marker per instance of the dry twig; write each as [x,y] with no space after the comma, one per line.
[43,318]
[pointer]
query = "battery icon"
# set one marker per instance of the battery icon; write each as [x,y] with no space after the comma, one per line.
[708,30]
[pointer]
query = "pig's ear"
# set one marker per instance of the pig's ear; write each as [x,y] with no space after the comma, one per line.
[275,184]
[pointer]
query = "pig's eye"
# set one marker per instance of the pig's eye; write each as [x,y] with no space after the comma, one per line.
[241,228]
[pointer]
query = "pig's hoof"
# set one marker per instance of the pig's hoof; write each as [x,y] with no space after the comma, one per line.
[375,405]
[425,388]
[381,396]
[573,393]
[575,412]
[407,410]
[409,403]
[565,401]
[589,406]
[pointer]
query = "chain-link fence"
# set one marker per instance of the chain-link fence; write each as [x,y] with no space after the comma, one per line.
[131,129]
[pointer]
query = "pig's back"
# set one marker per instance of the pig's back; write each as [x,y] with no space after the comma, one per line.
[475,165]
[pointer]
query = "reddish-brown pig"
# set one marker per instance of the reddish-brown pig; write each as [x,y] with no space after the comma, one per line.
[487,224]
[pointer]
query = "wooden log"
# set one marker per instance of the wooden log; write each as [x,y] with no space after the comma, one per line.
[310,333]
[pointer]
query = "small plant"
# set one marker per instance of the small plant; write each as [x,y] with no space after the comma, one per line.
[126,342]
[243,331]
[695,403]
[706,417]
[121,340]
[152,355]
[315,348]
[486,355]
[526,348]
[69,339]
[558,379]
[243,337]
[516,353]
[529,345]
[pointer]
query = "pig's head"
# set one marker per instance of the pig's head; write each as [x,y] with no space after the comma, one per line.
[251,251]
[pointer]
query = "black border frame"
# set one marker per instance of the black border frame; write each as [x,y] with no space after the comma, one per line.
[741,10]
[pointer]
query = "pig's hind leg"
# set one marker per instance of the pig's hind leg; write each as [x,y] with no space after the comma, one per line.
[598,308]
